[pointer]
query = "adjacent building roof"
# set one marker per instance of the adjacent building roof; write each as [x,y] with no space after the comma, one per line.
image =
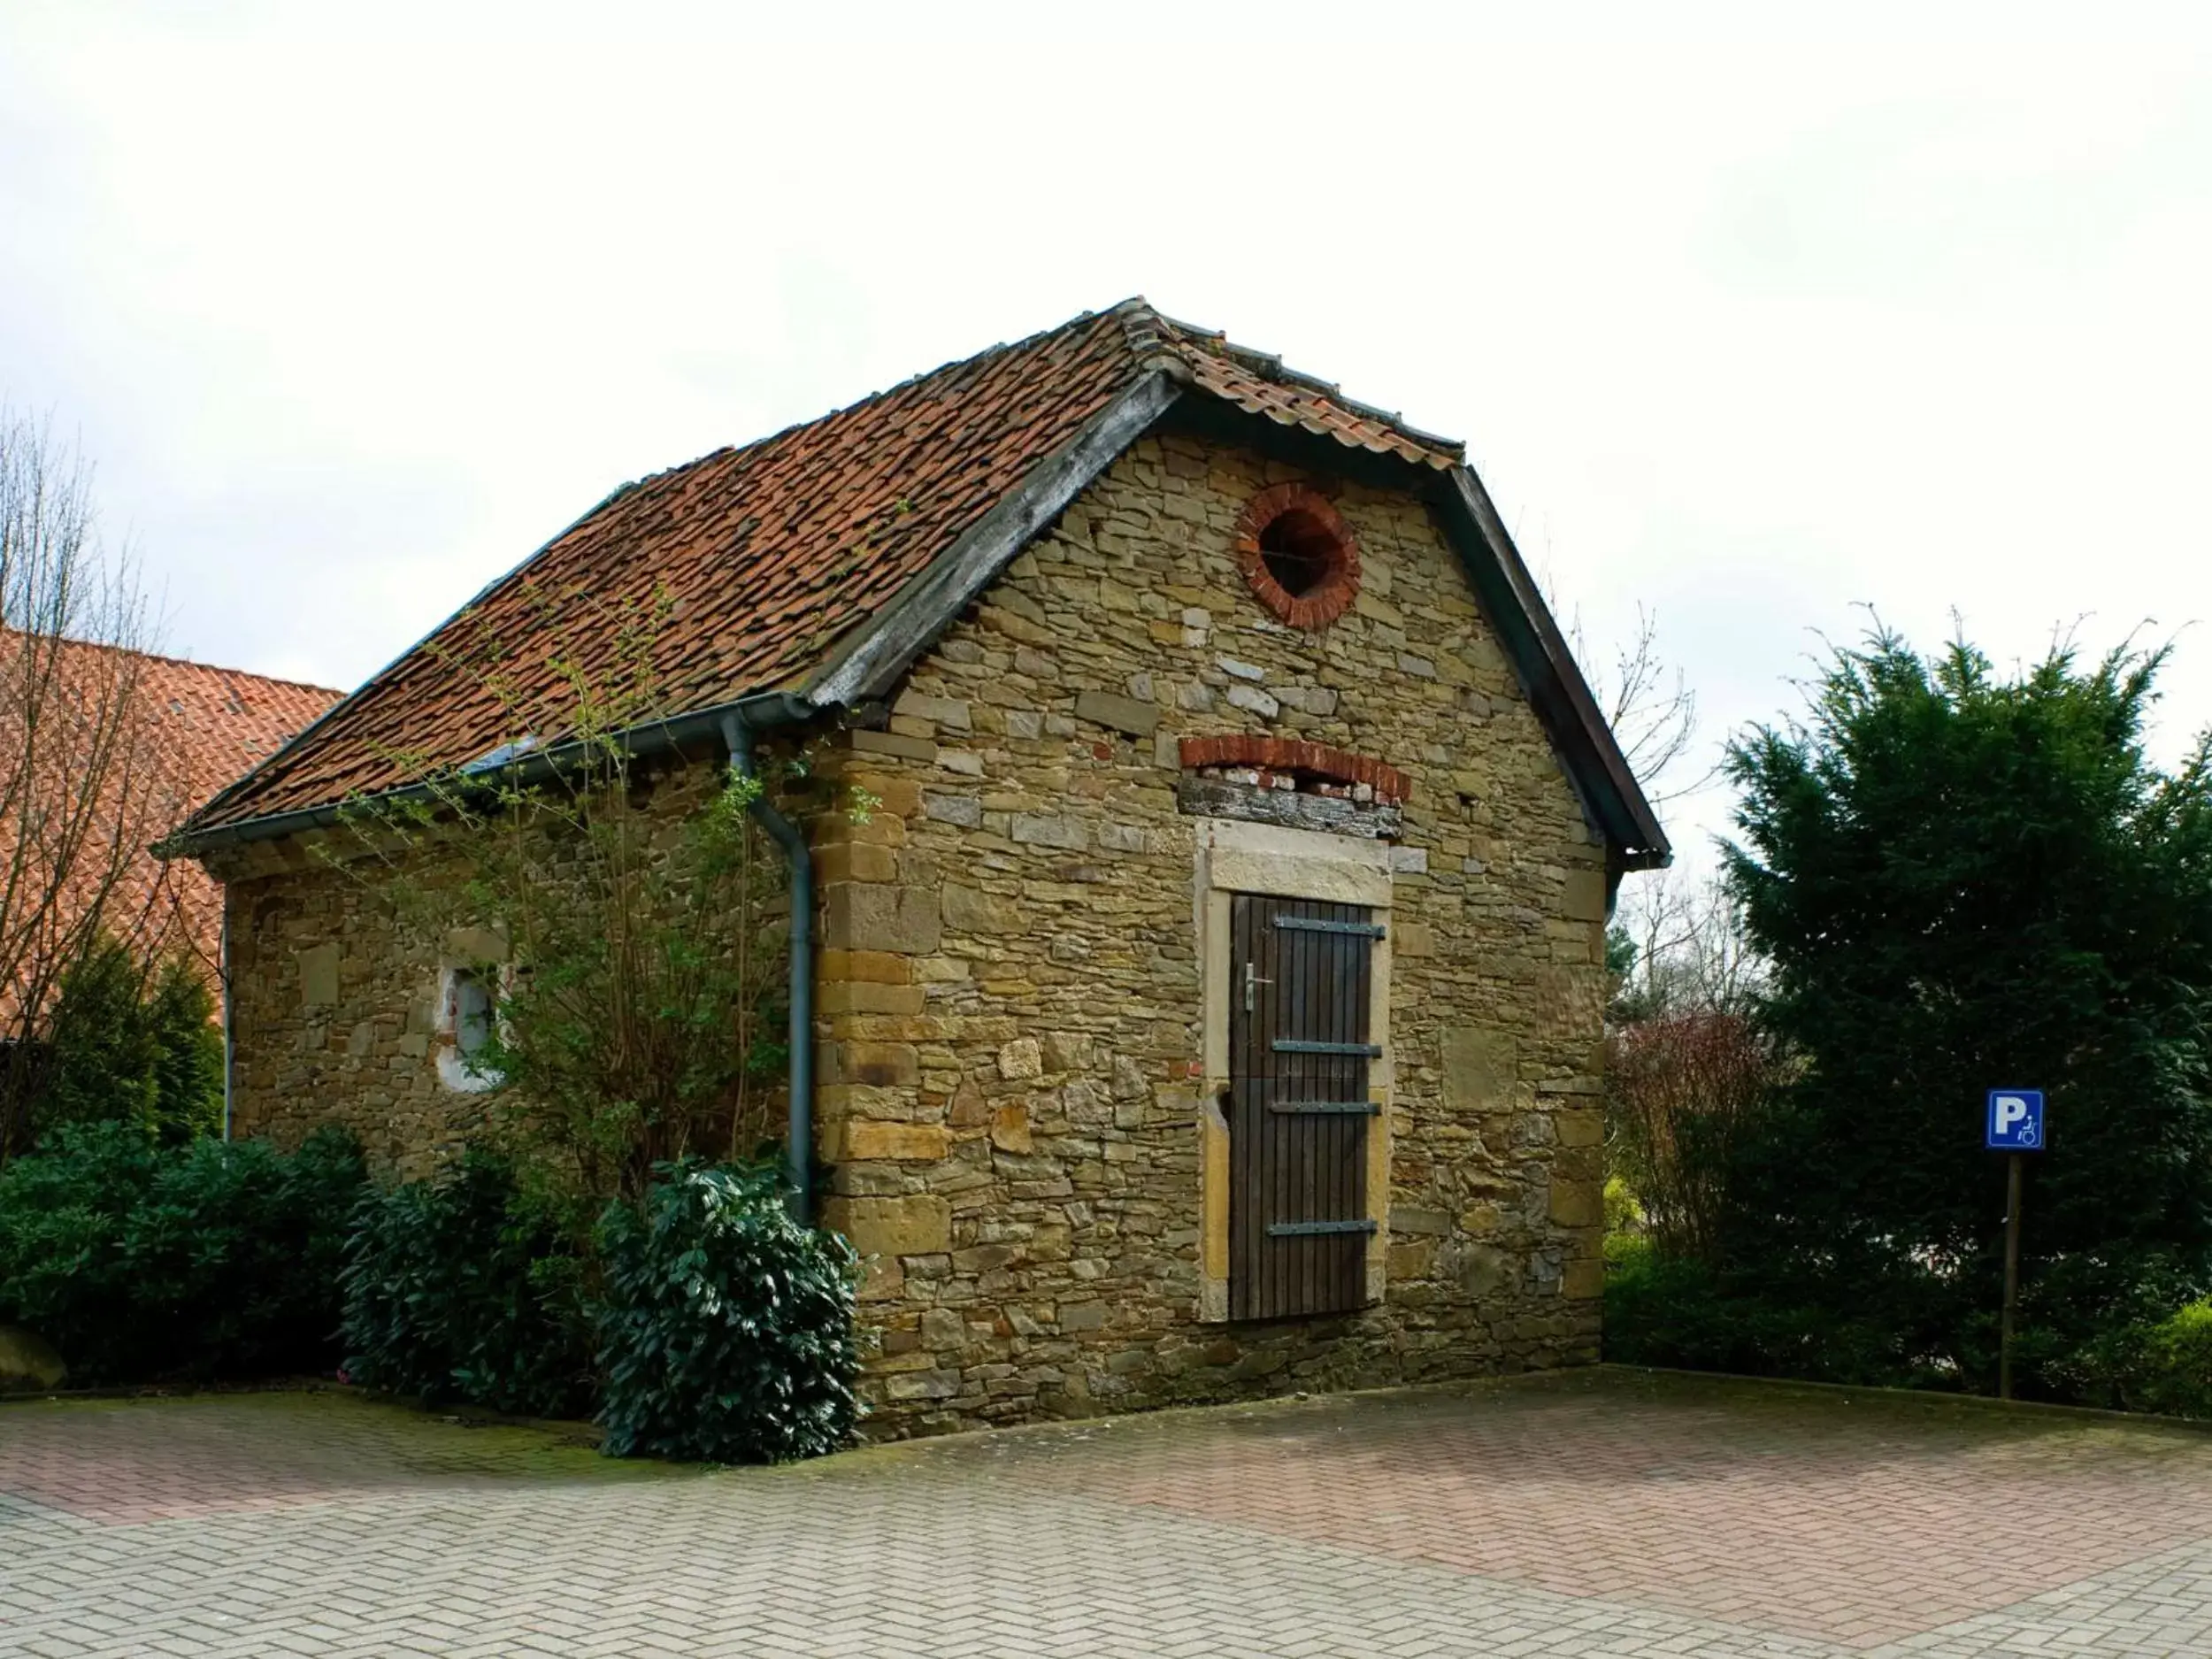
[221,723]
[213,725]
[196,728]
[819,562]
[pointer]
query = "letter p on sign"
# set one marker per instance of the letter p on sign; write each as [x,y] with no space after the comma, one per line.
[2016,1119]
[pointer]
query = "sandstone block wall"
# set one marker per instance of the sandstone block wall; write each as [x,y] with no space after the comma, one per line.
[335,1013]
[336,995]
[1013,1085]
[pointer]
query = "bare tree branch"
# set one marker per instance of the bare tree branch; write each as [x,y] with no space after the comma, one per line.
[1691,953]
[1646,702]
[85,784]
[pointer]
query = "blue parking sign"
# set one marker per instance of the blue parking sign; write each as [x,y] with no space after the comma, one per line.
[2015,1120]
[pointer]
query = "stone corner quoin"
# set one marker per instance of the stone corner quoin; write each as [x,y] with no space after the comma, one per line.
[1014,1095]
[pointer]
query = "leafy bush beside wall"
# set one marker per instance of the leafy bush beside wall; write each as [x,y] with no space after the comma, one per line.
[704,1323]
[471,1288]
[1672,1310]
[2173,1370]
[2162,1365]
[216,1259]
[727,1329]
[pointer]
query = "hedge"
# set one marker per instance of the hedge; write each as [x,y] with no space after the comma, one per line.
[213,1260]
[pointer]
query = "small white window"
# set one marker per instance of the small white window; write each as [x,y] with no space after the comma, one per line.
[466,1008]
[471,1014]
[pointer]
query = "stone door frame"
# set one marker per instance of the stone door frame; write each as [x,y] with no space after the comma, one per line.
[1235,856]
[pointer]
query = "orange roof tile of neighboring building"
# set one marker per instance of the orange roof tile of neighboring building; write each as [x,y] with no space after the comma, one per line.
[201,728]
[224,722]
[776,567]
[214,725]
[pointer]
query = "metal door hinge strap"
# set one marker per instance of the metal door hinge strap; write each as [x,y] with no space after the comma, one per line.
[1331,1108]
[1315,924]
[1305,1229]
[1297,1045]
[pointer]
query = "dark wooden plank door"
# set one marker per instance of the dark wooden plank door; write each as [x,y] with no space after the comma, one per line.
[1300,973]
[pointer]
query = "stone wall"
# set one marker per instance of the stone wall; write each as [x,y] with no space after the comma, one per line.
[334,1011]
[336,993]
[1013,1087]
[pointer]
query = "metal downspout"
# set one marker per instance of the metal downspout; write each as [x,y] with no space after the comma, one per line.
[800,1134]
[222,973]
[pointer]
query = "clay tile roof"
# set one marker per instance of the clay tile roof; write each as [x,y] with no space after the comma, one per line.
[214,725]
[1260,385]
[220,722]
[206,726]
[759,560]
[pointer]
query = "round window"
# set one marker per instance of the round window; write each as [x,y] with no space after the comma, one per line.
[1297,553]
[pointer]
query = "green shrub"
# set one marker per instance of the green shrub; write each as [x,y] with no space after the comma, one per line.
[1623,1213]
[1674,1311]
[2176,1373]
[727,1328]
[1663,1310]
[2162,1365]
[133,1042]
[1625,1250]
[470,1288]
[217,1259]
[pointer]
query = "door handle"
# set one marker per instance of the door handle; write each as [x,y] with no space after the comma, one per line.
[1252,982]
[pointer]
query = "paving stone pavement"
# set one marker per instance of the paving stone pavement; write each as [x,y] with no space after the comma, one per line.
[1599,1514]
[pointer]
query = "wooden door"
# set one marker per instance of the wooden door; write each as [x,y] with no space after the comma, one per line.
[1299,1047]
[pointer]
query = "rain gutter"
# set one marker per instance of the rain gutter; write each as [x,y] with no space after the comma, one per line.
[759,712]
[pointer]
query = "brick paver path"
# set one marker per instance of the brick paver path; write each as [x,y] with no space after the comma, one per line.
[1595,1514]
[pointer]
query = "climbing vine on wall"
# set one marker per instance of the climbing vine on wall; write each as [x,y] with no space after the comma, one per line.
[613,935]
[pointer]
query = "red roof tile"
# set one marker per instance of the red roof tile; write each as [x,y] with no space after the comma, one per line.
[204,728]
[761,558]
[215,724]
[220,722]
[1260,385]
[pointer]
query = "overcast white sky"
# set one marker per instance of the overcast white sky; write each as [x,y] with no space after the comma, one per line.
[354,307]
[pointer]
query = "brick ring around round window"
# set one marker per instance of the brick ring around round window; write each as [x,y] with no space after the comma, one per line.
[1298,554]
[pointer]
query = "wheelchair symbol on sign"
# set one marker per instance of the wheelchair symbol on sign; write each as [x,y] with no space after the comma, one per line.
[2015,1120]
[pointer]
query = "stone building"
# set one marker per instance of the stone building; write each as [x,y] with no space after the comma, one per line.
[1212,1004]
